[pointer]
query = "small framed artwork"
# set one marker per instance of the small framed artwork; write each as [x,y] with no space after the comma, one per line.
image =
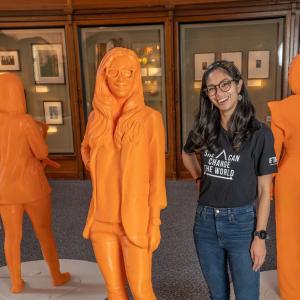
[258,64]
[53,112]
[234,57]
[48,63]
[202,61]
[9,60]
[100,52]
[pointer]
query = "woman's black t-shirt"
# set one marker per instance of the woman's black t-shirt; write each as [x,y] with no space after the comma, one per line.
[229,178]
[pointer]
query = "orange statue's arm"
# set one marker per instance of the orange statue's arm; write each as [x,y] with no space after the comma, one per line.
[278,140]
[43,127]
[35,139]
[157,194]
[278,132]
[85,147]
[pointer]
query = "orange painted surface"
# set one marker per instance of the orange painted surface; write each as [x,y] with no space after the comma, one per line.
[23,184]
[124,149]
[286,129]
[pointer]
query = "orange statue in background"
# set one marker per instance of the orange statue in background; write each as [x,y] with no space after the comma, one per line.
[23,184]
[123,148]
[286,129]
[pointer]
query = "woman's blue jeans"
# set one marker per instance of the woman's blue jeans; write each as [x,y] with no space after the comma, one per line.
[223,237]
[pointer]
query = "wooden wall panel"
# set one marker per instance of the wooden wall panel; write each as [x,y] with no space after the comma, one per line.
[69,5]
[21,5]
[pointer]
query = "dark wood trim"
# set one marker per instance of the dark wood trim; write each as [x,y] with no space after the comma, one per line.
[75,107]
[297,33]
[286,55]
[170,108]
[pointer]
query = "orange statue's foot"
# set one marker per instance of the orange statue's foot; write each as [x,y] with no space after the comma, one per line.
[61,279]
[18,287]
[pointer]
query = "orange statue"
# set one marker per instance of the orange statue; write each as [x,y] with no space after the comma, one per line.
[286,129]
[23,184]
[123,148]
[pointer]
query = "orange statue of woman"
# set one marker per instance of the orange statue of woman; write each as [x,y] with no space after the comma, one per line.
[23,184]
[286,129]
[123,148]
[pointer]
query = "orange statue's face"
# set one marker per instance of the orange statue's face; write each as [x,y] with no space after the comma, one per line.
[120,76]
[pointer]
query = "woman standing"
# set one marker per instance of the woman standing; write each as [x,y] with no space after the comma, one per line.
[236,164]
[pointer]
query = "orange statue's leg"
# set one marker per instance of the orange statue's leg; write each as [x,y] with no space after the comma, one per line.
[12,217]
[108,252]
[39,213]
[138,266]
[287,207]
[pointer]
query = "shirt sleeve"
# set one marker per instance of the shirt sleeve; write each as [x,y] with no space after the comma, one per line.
[264,153]
[189,146]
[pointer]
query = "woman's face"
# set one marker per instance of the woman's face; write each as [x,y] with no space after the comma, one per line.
[223,91]
[120,76]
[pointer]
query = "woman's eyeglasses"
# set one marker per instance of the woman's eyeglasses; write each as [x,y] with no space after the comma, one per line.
[115,73]
[224,86]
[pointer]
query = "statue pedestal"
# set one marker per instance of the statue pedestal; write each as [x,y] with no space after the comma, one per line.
[268,286]
[86,282]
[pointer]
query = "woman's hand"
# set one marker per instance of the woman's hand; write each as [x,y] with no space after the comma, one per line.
[154,237]
[258,253]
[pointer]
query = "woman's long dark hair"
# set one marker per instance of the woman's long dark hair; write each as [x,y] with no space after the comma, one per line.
[207,124]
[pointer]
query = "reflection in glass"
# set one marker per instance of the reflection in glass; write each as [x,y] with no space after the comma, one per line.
[200,43]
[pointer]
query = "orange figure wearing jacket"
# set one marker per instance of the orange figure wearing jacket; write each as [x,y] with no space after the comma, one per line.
[123,148]
[23,184]
[286,129]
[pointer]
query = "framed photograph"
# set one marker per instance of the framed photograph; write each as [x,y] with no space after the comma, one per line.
[234,57]
[202,61]
[53,112]
[48,63]
[258,64]
[9,60]
[100,50]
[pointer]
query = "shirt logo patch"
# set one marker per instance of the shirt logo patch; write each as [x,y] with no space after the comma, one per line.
[273,161]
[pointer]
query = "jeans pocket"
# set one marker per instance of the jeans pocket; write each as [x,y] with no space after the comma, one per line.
[244,218]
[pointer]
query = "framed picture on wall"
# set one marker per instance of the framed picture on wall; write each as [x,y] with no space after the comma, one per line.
[258,64]
[202,61]
[9,60]
[48,63]
[100,50]
[53,112]
[235,57]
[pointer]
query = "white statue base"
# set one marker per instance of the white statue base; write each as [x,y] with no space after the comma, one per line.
[86,282]
[268,286]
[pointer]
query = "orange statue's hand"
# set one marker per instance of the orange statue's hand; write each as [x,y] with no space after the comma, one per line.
[154,237]
[50,163]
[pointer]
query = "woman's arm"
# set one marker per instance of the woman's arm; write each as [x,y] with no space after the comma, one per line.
[191,163]
[258,247]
